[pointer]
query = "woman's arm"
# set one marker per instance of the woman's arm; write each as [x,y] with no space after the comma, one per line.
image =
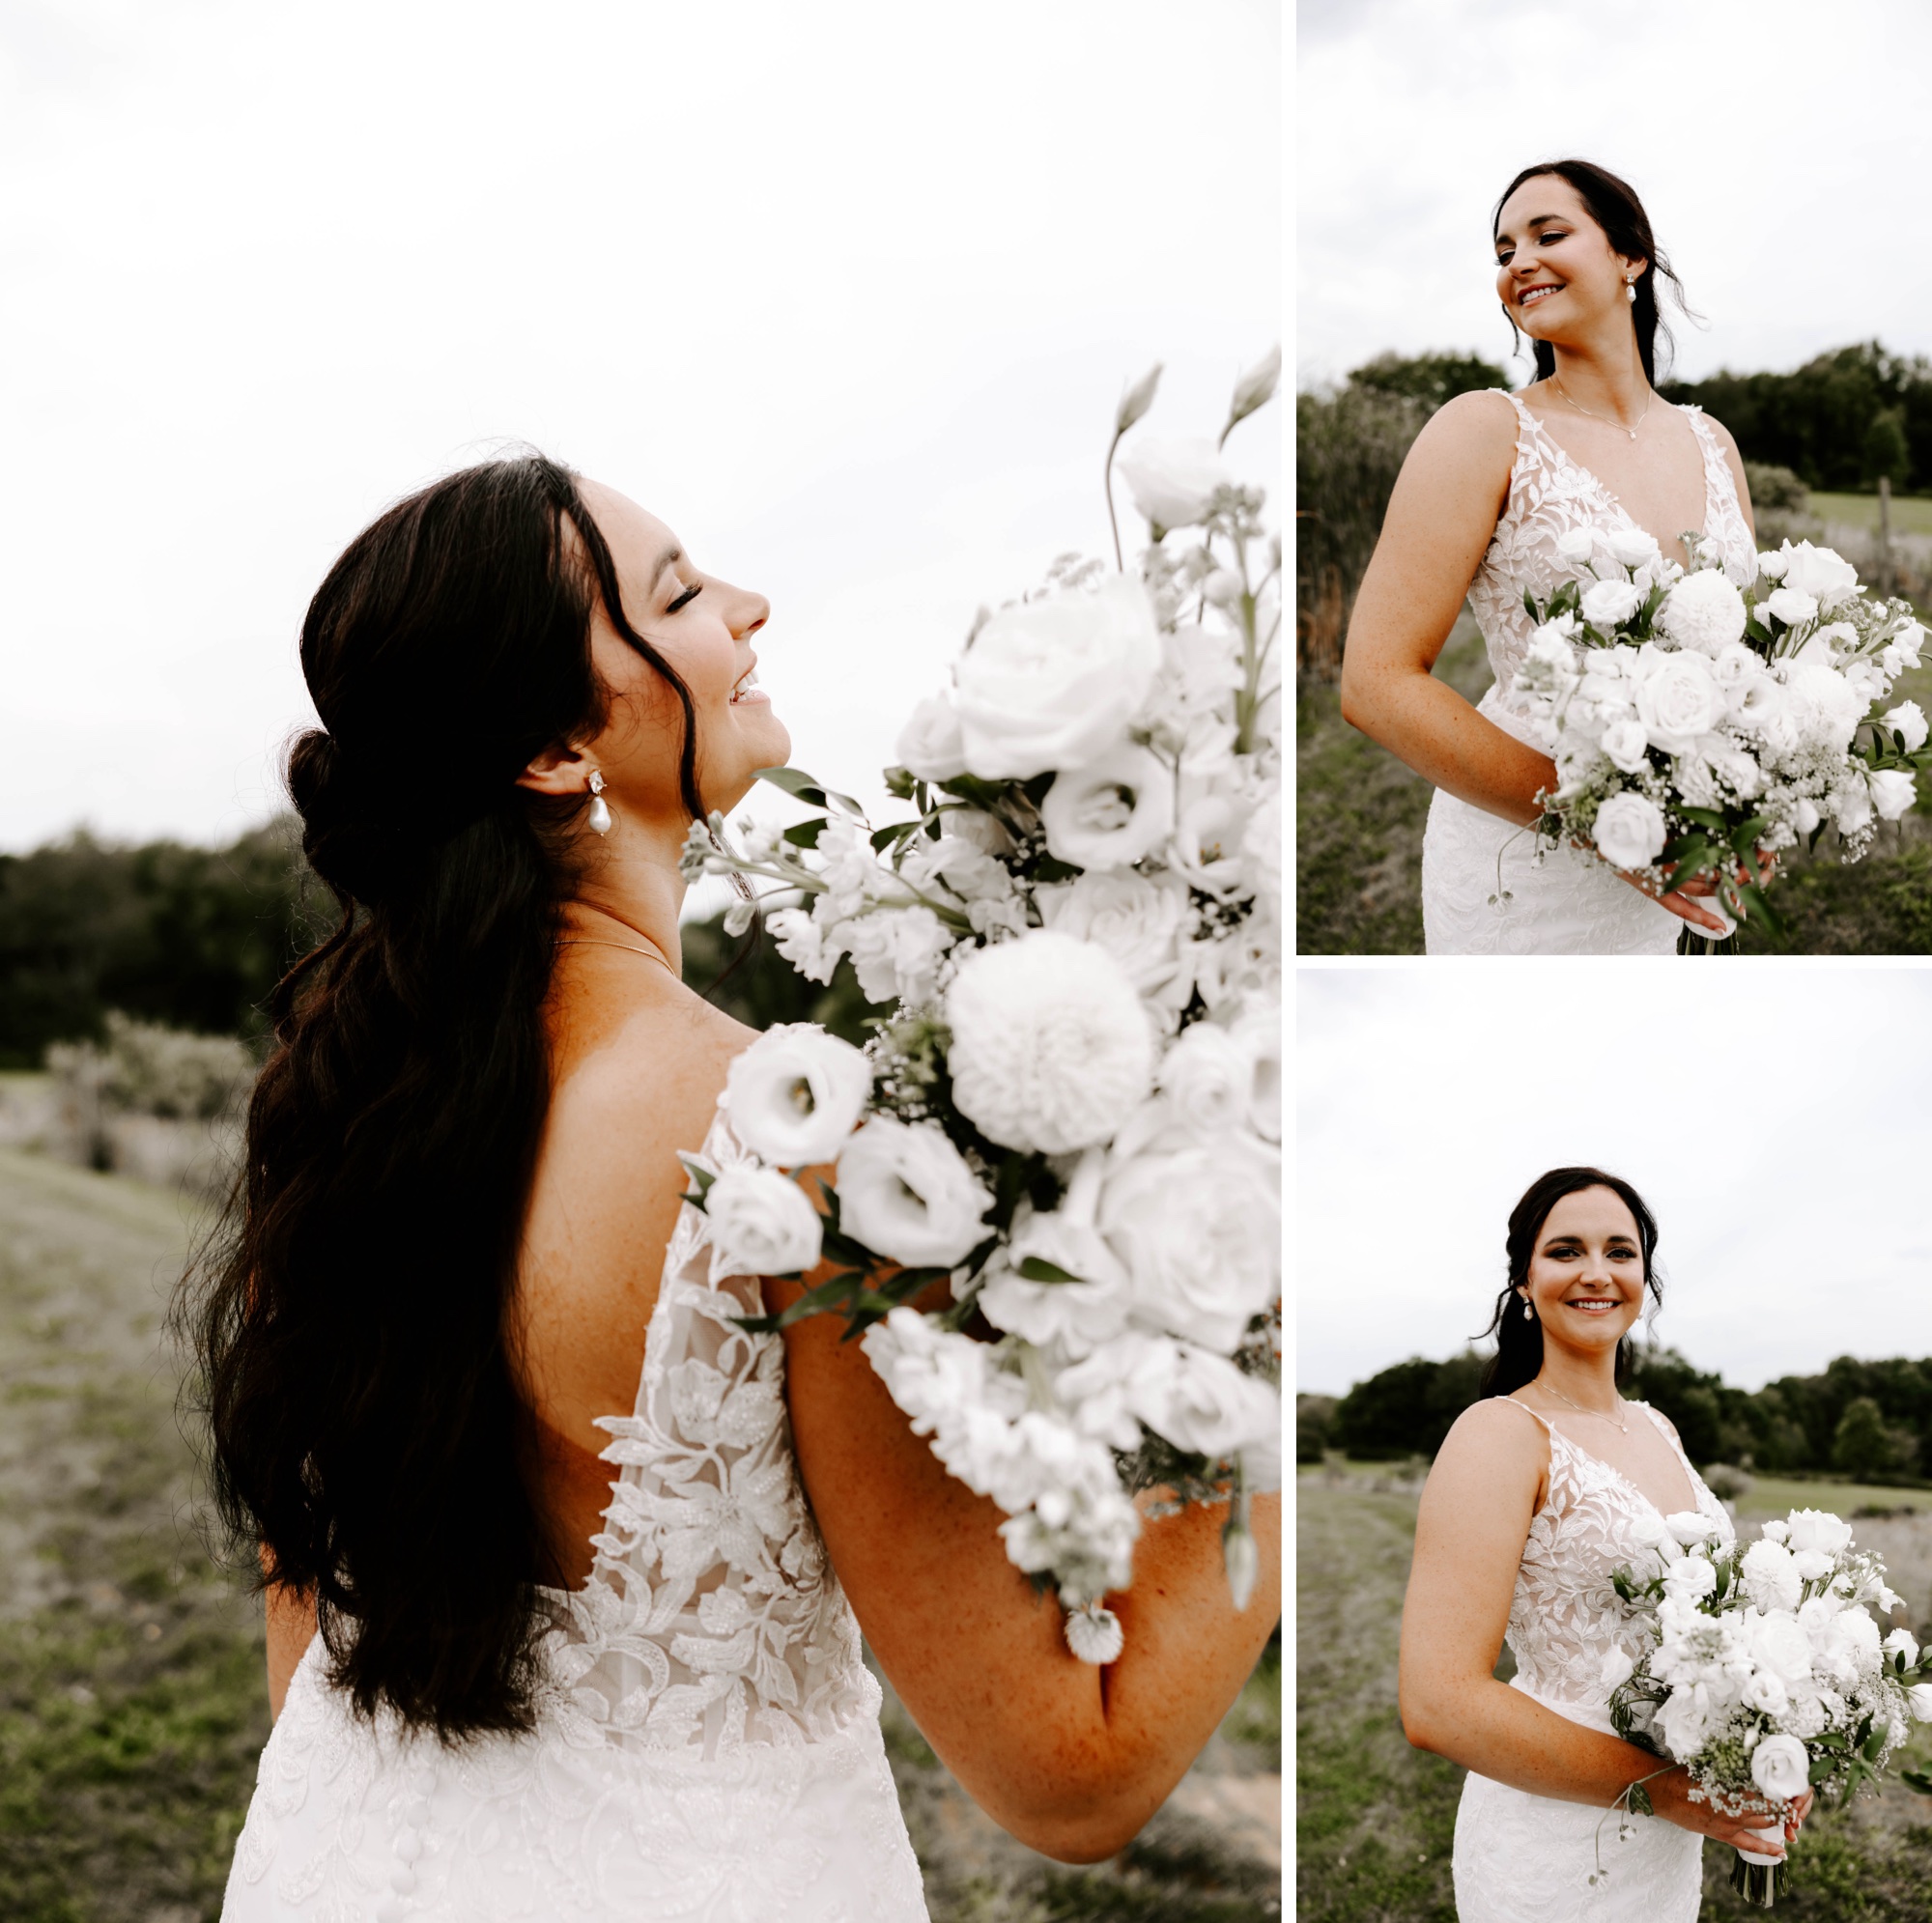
[1440,520]
[1070,1758]
[1469,1534]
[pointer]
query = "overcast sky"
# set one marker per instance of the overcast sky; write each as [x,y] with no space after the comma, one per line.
[1772,1115]
[1782,149]
[846,294]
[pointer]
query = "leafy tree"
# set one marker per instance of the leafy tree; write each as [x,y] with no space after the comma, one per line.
[1887,454]
[1313,1417]
[1429,378]
[1866,1448]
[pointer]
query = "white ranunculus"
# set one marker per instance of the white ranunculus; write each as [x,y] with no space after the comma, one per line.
[1828,578]
[1607,604]
[1792,605]
[1050,1045]
[1209,1405]
[1199,1229]
[1576,546]
[1818,1529]
[1733,665]
[760,1224]
[1139,920]
[930,743]
[796,1093]
[1174,482]
[1629,831]
[1780,1768]
[1677,698]
[1632,547]
[1051,683]
[1111,812]
[1627,743]
[1704,612]
[1893,792]
[1208,1078]
[1771,1576]
[1908,721]
[907,1194]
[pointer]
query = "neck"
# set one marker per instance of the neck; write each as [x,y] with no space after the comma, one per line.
[1589,1378]
[1605,376]
[633,884]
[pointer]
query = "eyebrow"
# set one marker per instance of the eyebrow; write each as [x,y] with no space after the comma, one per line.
[664,560]
[1540,220]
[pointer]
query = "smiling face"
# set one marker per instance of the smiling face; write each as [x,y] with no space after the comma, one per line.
[702,627]
[1586,1272]
[1556,273]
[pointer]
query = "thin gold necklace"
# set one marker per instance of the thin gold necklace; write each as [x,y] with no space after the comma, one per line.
[1550,1388]
[591,942]
[1556,382]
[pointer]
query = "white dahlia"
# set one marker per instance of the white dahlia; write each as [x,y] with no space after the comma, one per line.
[1050,1045]
[1704,612]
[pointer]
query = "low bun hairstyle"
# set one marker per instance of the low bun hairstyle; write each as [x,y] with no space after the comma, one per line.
[1519,1356]
[350,1318]
[1615,208]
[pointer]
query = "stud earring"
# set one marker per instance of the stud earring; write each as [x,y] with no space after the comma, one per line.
[599,821]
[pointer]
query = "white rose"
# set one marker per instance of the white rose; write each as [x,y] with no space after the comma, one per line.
[907,1194]
[1050,684]
[930,743]
[1689,1577]
[1174,482]
[1893,792]
[1259,1033]
[1629,831]
[1704,612]
[1901,1642]
[1200,1231]
[796,1093]
[1111,812]
[1607,604]
[1576,546]
[1627,743]
[1208,1078]
[760,1224]
[1207,1405]
[1050,1046]
[1773,564]
[1138,919]
[1765,1690]
[1919,1700]
[1632,548]
[1791,605]
[1908,721]
[1781,1768]
[1677,698]
[1818,1529]
[1783,1647]
[1828,578]
[1691,1526]
[1771,1576]
[1734,664]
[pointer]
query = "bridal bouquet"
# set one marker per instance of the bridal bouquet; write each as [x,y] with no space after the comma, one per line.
[1073,1115]
[1765,1671]
[1693,726]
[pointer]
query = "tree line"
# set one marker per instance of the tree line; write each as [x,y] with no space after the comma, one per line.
[1871,1421]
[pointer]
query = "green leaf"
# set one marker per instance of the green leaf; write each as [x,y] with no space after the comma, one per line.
[1050,869]
[805,833]
[797,782]
[1036,1269]
[1917,1779]
[901,783]
[887,837]
[1704,817]
[1639,1801]
[702,1178]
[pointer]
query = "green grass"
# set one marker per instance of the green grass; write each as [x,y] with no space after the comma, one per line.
[1375,1819]
[1911,514]
[1359,816]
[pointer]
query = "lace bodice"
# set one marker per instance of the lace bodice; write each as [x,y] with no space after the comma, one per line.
[1565,1618]
[707,1741]
[1549,493]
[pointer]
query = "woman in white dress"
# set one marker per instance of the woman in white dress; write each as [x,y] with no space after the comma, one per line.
[1534,1499]
[1491,484]
[558,1556]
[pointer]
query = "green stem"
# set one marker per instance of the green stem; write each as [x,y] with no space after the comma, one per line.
[1107,480]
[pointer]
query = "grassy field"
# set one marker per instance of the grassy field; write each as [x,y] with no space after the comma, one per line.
[1359,816]
[1911,514]
[1375,1819]
[132,1705]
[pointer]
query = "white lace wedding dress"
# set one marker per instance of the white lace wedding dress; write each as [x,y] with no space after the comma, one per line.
[1485,891]
[707,1743]
[1523,1858]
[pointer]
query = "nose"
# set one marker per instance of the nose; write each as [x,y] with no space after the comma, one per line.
[748,612]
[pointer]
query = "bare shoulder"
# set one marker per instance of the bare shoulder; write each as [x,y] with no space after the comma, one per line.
[1663,1422]
[1478,428]
[1494,1436]
[1724,436]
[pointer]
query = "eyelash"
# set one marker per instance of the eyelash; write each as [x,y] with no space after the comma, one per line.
[685,598]
[1542,239]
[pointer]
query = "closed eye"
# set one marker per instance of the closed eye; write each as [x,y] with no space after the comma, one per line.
[685,598]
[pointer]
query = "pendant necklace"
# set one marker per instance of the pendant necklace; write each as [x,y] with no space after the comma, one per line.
[1623,1427]
[1556,380]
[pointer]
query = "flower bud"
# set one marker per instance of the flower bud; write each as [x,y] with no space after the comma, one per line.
[1138,399]
[1238,1552]
[738,917]
[1094,1635]
[1256,387]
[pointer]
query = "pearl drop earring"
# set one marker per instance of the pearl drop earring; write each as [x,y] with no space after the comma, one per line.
[600,810]
[1526,1315]
[1630,288]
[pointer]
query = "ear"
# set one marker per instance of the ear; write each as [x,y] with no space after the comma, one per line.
[559,770]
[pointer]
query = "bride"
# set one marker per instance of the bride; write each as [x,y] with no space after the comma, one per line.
[1523,1520]
[558,1556]
[1491,484]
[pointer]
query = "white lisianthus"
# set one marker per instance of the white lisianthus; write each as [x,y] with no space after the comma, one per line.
[1629,831]
[1174,483]
[1051,683]
[1908,722]
[1689,1576]
[1207,1405]
[1632,548]
[1902,1643]
[1919,1700]
[1607,604]
[1617,1670]
[930,744]
[1677,698]
[760,1224]
[1764,1689]
[1199,1229]
[1781,1768]
[1575,547]
[1111,812]
[1792,605]
[1208,839]
[1704,612]
[896,953]
[1817,1528]
[1823,575]
[1050,1046]
[1259,1032]
[796,1093]
[1771,565]
[1627,745]
[1893,792]
[906,1192]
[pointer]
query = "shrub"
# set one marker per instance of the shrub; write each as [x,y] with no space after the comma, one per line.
[147,1069]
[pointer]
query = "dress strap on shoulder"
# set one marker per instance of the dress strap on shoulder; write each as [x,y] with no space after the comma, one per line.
[1528,1411]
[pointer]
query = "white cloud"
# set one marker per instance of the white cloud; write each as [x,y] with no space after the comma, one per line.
[846,294]
[1769,1113]
[1778,149]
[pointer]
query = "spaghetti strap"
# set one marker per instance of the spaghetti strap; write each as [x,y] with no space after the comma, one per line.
[1528,1411]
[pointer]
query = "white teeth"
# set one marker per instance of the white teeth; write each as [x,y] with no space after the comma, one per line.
[748,679]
